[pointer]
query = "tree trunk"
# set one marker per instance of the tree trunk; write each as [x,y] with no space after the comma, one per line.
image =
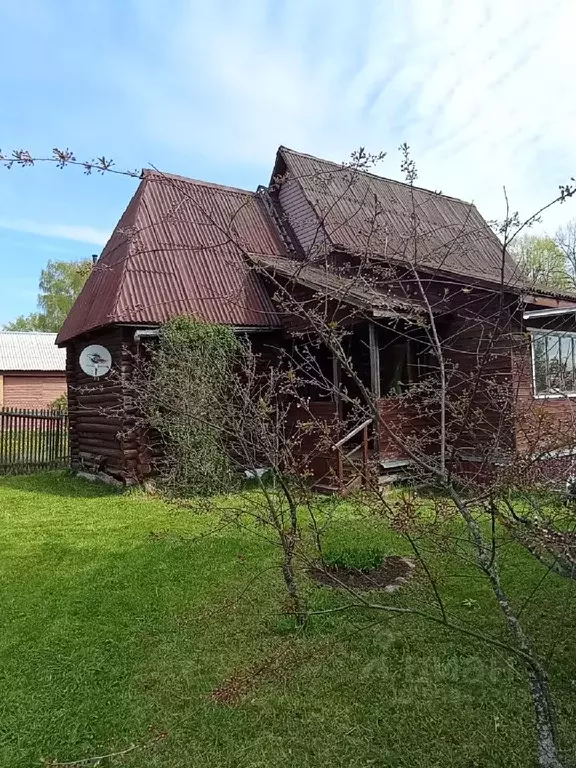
[545,720]
[290,578]
[544,713]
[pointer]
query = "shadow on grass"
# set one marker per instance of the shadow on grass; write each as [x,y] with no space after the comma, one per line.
[58,483]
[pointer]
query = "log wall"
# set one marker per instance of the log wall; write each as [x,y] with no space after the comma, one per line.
[100,422]
[104,432]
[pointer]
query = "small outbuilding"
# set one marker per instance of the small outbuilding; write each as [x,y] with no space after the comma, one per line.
[170,254]
[32,370]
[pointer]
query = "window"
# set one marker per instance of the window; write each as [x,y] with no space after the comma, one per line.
[402,364]
[399,368]
[554,362]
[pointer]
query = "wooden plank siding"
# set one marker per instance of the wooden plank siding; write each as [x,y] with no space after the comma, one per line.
[303,220]
[478,354]
[476,335]
[543,424]
[31,390]
[315,455]
[417,431]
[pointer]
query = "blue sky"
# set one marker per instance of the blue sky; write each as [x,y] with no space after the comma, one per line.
[482,91]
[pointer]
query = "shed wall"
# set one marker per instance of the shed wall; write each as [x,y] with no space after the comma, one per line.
[31,390]
[100,436]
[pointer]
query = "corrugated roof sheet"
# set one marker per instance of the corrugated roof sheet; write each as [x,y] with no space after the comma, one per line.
[178,249]
[366,213]
[356,291]
[181,245]
[30,351]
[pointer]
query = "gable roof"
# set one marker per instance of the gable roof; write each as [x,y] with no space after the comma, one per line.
[183,246]
[361,212]
[30,351]
[178,249]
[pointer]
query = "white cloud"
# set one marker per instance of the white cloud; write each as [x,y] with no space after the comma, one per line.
[482,90]
[63,231]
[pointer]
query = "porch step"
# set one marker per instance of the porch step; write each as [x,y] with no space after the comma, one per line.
[395,463]
[355,457]
[328,489]
[390,471]
[389,479]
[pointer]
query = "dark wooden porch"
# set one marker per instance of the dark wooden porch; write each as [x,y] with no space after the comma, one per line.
[353,445]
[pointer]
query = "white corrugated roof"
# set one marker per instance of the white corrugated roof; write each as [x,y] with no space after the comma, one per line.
[30,351]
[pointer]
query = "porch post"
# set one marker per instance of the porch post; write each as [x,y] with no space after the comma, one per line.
[374,378]
[374,359]
[336,381]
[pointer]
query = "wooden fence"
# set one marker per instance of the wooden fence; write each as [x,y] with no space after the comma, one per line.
[32,440]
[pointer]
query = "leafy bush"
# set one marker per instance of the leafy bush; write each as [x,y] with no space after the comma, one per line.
[355,558]
[184,401]
[60,404]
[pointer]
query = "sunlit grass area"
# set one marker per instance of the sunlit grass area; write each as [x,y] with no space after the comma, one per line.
[124,627]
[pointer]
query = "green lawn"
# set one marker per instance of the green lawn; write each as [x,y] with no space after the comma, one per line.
[114,629]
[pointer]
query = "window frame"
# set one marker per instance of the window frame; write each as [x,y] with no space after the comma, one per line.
[550,394]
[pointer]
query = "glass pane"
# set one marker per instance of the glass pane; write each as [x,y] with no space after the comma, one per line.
[539,352]
[555,372]
[565,362]
[399,369]
[570,370]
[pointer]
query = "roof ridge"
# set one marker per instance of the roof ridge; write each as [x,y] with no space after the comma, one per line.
[152,173]
[342,167]
[28,333]
[134,208]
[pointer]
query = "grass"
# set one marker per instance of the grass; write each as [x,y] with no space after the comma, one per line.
[360,559]
[114,628]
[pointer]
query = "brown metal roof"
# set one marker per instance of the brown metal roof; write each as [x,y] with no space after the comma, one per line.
[181,246]
[356,291]
[179,249]
[361,212]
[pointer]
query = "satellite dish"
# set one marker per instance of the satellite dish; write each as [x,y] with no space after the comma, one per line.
[95,361]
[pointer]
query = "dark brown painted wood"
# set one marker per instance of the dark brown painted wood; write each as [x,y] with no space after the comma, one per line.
[99,421]
[542,423]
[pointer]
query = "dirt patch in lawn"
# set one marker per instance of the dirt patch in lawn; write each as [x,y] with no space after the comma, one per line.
[276,666]
[388,577]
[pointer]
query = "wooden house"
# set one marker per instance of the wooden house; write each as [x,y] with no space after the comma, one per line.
[221,254]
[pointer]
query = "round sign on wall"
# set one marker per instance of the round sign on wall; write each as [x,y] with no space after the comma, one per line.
[95,360]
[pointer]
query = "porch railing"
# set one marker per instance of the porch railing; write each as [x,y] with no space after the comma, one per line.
[343,457]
